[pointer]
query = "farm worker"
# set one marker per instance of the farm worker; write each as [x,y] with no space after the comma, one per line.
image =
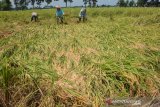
[82,14]
[59,13]
[34,16]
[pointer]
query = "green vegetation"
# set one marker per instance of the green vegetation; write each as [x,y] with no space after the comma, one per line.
[115,53]
[5,5]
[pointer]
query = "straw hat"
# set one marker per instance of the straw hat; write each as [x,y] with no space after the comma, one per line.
[58,7]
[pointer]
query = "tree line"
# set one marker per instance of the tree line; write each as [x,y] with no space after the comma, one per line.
[139,3]
[22,4]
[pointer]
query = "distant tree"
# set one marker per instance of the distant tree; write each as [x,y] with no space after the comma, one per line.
[85,2]
[33,3]
[153,3]
[8,2]
[90,2]
[157,3]
[70,1]
[131,3]
[16,2]
[127,3]
[141,3]
[23,3]
[121,3]
[66,1]
[48,2]
[94,2]
[5,5]
[39,2]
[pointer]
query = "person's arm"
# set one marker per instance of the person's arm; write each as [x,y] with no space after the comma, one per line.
[56,13]
[62,12]
[80,14]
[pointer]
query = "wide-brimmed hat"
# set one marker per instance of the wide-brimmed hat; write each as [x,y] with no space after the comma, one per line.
[58,7]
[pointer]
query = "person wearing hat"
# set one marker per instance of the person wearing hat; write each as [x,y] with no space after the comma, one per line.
[34,16]
[83,14]
[59,13]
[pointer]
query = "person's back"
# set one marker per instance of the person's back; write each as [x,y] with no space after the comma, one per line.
[59,13]
[34,16]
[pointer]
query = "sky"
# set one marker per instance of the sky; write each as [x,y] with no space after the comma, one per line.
[77,3]
[80,2]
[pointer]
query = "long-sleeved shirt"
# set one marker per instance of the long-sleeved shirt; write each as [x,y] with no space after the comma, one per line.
[59,13]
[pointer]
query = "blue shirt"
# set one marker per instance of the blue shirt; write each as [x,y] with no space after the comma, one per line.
[59,13]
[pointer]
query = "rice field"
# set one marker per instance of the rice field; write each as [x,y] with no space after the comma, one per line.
[116,53]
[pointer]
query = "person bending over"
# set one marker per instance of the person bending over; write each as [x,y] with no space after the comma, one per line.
[83,14]
[34,16]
